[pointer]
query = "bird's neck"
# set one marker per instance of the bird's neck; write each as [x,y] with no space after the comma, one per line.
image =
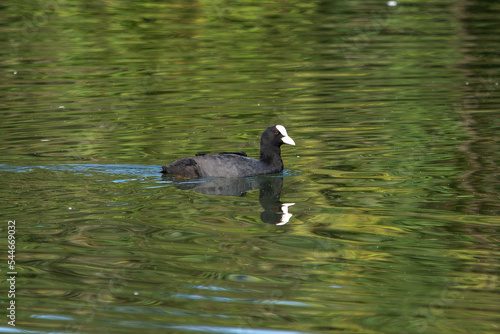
[271,156]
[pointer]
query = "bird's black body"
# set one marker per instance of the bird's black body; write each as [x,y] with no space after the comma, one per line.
[237,164]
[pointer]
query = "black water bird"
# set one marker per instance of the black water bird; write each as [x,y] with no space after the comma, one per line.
[235,164]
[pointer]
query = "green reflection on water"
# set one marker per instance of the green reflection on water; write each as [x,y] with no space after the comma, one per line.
[394,175]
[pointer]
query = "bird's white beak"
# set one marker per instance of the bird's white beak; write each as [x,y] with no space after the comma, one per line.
[286,138]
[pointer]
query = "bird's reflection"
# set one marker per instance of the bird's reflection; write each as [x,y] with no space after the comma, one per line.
[275,212]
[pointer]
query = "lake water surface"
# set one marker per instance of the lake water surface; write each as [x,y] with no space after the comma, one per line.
[385,220]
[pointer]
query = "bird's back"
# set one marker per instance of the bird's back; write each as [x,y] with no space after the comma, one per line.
[229,165]
[218,165]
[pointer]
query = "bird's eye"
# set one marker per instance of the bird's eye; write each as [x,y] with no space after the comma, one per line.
[276,132]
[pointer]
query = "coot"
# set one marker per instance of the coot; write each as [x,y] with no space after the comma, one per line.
[237,164]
